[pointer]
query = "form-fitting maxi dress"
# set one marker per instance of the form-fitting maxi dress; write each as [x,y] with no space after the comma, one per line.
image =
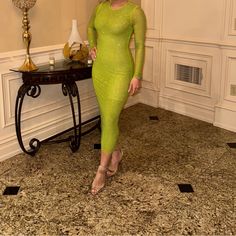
[110,31]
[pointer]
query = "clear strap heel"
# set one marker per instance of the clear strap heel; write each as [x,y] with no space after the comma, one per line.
[111,172]
[102,170]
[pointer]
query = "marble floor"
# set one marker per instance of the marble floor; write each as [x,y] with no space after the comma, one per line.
[143,198]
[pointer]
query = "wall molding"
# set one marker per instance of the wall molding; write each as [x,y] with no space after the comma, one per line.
[37,52]
[150,66]
[225,118]
[187,108]
[149,97]
[229,68]
[231,23]
[93,109]
[153,11]
[11,147]
[191,41]
[188,58]
[40,109]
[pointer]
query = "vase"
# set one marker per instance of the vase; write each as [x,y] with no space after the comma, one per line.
[25,6]
[75,49]
[74,35]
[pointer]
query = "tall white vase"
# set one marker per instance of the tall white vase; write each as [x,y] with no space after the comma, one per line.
[75,49]
[74,36]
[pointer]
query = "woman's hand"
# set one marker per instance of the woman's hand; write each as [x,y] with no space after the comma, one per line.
[134,86]
[93,53]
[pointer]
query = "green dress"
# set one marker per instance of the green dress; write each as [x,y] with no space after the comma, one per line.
[110,30]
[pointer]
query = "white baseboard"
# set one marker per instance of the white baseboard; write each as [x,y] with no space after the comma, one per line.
[187,108]
[149,97]
[225,118]
[132,100]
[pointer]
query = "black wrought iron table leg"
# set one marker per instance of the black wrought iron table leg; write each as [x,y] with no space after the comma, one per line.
[71,90]
[32,91]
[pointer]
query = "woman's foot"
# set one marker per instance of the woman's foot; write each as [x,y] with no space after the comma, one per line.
[99,180]
[115,161]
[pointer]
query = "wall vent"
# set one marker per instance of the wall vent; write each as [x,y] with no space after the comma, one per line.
[188,74]
[233,90]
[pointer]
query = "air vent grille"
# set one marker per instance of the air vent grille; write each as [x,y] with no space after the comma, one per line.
[188,74]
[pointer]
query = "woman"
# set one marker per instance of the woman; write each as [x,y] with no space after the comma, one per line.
[115,75]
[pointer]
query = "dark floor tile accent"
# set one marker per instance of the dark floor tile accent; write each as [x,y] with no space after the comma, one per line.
[185,188]
[11,190]
[97,146]
[232,145]
[153,118]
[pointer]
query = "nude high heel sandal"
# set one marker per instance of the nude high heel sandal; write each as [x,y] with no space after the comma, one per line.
[96,189]
[110,172]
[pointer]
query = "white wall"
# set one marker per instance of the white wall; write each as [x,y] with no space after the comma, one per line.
[198,33]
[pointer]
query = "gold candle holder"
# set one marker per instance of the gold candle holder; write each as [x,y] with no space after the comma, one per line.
[25,5]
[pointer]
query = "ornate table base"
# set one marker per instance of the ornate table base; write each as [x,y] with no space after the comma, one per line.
[67,76]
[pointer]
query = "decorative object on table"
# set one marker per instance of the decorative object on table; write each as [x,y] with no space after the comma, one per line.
[51,61]
[89,58]
[25,5]
[75,49]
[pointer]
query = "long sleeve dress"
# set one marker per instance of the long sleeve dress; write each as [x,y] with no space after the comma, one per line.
[110,30]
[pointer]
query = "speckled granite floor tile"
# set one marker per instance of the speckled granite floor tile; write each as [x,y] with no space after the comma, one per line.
[143,198]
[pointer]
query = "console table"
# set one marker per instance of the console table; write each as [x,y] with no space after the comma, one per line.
[64,73]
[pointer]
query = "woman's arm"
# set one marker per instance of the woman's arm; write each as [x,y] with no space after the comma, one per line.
[139,23]
[91,31]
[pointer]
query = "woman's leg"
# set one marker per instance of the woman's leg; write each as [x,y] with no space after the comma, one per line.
[116,158]
[110,125]
[110,111]
[100,178]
